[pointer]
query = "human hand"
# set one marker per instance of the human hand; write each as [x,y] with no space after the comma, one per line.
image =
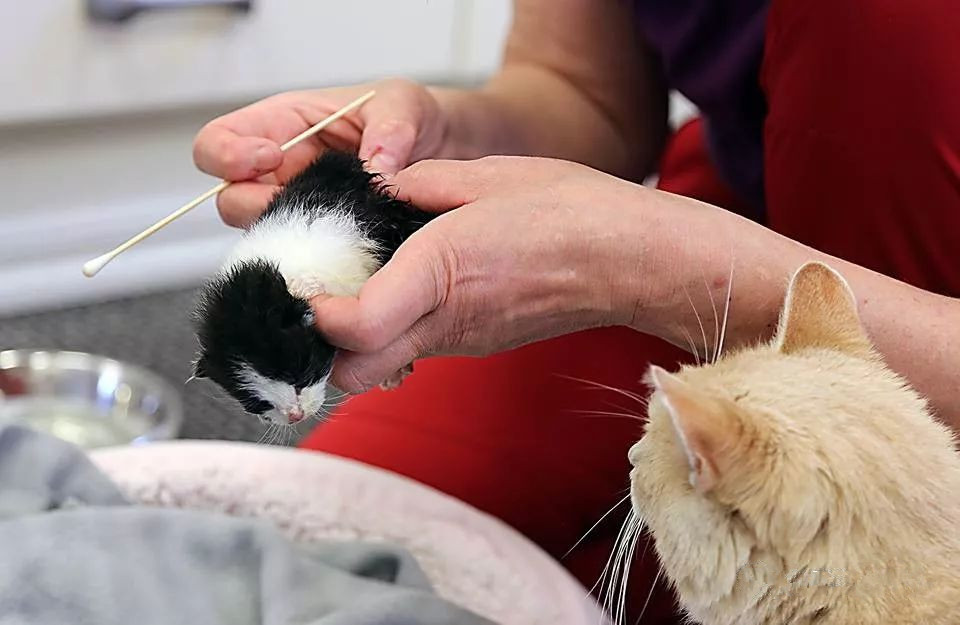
[402,124]
[534,249]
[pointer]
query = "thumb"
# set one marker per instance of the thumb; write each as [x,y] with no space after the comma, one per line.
[391,124]
[357,373]
[411,285]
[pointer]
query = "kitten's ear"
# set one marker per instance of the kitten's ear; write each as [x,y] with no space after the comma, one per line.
[821,311]
[706,427]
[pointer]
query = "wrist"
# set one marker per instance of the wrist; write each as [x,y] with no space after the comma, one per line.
[692,264]
[474,125]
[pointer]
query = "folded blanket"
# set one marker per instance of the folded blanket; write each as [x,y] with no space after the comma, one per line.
[73,550]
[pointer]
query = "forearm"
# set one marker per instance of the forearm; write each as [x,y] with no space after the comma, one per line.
[530,111]
[916,331]
[576,84]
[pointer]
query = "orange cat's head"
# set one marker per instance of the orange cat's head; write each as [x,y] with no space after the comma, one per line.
[806,451]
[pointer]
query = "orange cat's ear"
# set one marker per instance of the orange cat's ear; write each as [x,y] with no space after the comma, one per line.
[706,427]
[820,311]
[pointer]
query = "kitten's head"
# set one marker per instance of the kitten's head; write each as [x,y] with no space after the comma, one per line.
[258,343]
[782,455]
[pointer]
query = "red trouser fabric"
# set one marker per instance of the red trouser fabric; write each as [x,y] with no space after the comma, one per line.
[862,160]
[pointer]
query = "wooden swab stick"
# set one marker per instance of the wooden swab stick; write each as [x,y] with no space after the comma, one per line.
[92,267]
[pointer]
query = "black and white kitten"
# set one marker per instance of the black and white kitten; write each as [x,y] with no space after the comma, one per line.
[327,231]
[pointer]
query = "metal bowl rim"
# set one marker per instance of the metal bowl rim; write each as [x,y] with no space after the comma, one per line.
[97,361]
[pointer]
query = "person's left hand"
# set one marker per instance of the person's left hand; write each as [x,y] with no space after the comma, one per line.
[535,248]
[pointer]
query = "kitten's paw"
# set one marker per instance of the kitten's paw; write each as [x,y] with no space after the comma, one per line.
[395,380]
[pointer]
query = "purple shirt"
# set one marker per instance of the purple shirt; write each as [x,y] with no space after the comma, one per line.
[711,51]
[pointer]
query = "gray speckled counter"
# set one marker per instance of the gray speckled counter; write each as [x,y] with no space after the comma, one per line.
[153,331]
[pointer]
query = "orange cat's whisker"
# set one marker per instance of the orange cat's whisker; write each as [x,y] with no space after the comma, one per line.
[726,311]
[617,586]
[599,385]
[603,413]
[693,347]
[716,319]
[594,526]
[616,545]
[646,604]
[703,332]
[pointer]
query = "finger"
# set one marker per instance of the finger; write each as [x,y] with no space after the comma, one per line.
[411,285]
[242,203]
[357,373]
[220,151]
[439,186]
[391,123]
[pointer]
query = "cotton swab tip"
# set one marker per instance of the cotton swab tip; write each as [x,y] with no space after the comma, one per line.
[93,267]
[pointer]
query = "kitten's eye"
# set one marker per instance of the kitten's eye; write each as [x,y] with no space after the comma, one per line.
[256,406]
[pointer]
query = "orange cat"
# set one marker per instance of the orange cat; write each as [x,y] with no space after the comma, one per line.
[802,481]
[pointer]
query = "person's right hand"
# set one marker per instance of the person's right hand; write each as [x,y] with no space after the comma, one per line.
[403,123]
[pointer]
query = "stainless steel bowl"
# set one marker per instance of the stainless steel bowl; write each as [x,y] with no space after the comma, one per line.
[89,400]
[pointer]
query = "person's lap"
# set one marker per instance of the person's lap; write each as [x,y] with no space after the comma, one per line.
[862,161]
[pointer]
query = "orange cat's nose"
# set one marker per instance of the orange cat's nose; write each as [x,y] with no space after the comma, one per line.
[634,454]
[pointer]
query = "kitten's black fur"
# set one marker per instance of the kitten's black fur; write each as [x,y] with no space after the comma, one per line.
[247,315]
[337,177]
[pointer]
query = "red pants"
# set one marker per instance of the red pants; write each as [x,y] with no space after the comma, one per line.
[862,160]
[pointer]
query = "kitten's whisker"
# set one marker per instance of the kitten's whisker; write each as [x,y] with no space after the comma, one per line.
[263,436]
[703,332]
[336,398]
[726,309]
[594,526]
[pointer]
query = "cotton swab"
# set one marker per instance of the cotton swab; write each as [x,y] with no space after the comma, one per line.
[93,267]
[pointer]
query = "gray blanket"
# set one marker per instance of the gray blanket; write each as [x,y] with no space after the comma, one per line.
[73,550]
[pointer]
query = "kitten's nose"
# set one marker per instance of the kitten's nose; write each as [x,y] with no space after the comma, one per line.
[295,415]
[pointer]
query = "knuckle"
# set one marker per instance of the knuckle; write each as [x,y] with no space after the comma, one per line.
[416,171]
[353,381]
[228,160]
[400,129]
[400,85]
[370,335]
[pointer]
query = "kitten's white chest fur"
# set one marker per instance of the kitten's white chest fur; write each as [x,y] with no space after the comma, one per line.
[315,254]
